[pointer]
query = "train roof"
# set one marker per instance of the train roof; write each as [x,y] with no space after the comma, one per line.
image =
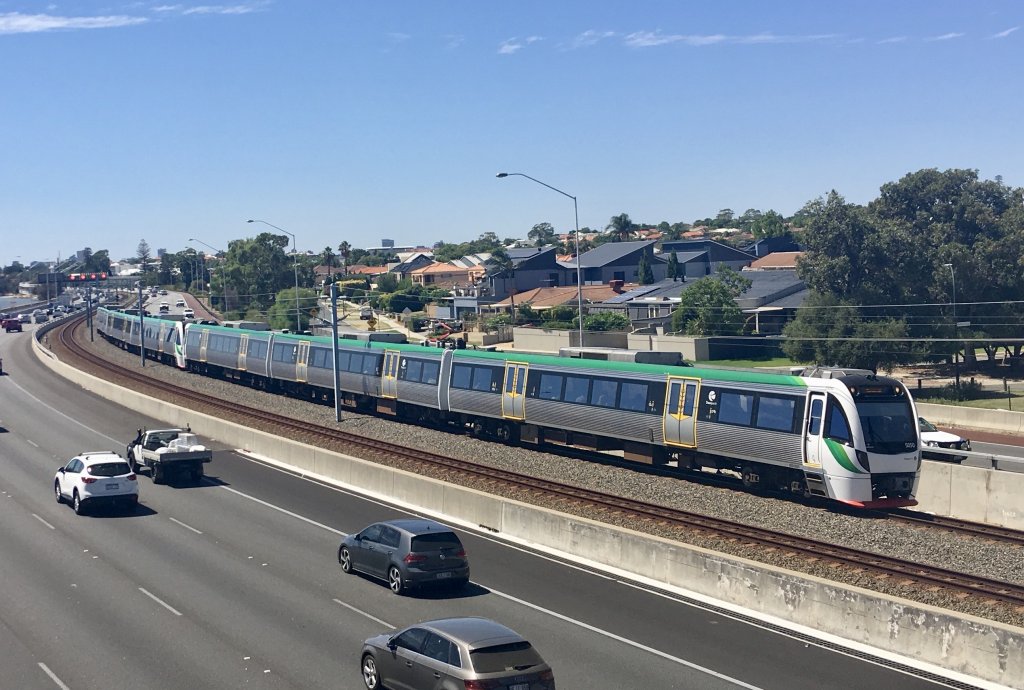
[481,356]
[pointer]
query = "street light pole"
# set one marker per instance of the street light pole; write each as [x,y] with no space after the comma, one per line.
[295,257]
[576,213]
[223,278]
[956,330]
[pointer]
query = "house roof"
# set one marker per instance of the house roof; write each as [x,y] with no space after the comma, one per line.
[547,297]
[610,252]
[359,269]
[775,260]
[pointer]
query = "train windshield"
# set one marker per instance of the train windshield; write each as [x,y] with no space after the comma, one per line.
[888,426]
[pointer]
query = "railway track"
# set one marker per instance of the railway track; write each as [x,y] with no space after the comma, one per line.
[595,503]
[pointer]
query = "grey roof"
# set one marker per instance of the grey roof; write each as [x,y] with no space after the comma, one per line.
[793,301]
[635,293]
[685,257]
[765,286]
[610,252]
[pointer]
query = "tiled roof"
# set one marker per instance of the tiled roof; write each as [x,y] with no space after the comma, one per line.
[776,260]
[547,297]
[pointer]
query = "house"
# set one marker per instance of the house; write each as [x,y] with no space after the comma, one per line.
[703,257]
[770,245]
[620,261]
[447,275]
[775,261]
[404,268]
[542,298]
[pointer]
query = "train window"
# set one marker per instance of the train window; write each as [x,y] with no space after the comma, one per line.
[483,379]
[774,413]
[814,425]
[285,352]
[344,358]
[431,370]
[634,397]
[193,337]
[550,387]
[320,358]
[577,389]
[257,349]
[604,392]
[413,370]
[735,408]
[838,427]
[355,364]
[371,365]
[461,376]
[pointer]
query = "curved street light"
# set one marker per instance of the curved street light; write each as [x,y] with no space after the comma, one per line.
[295,258]
[576,212]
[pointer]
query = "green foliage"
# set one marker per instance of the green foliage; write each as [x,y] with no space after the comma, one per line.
[493,322]
[282,314]
[645,273]
[674,270]
[708,306]
[487,242]
[387,282]
[353,287]
[257,269]
[542,234]
[770,224]
[606,321]
[619,228]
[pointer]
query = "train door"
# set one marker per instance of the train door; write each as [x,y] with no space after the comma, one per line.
[513,395]
[814,441]
[389,374]
[301,361]
[204,340]
[681,412]
[243,350]
[443,379]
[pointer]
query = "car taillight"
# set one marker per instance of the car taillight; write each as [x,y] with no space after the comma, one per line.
[131,477]
[547,675]
[482,684]
[89,480]
[461,553]
[412,558]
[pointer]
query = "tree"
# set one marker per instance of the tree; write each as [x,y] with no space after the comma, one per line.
[769,224]
[606,321]
[724,218]
[282,313]
[143,255]
[673,267]
[387,282]
[749,217]
[345,251]
[327,259]
[258,268]
[542,234]
[620,227]
[645,275]
[708,307]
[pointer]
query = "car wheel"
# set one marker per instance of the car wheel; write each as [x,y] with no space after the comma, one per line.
[156,473]
[370,676]
[395,580]
[56,492]
[76,503]
[345,559]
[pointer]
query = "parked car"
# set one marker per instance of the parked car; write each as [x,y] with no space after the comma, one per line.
[932,437]
[407,553]
[454,653]
[100,478]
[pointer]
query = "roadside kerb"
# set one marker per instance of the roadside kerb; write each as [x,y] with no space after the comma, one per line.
[957,642]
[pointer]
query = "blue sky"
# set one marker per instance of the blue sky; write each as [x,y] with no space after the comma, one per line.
[358,121]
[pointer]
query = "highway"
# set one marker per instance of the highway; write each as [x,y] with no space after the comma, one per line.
[235,583]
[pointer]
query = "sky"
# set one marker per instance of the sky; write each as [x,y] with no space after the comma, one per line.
[358,121]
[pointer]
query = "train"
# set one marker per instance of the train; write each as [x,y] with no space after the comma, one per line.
[849,437]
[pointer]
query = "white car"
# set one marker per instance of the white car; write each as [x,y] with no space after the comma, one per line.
[101,478]
[180,303]
[932,437]
[188,313]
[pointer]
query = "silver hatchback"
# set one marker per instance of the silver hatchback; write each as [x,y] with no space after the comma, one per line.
[454,654]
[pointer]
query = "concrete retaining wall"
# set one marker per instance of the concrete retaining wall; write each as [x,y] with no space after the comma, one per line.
[972,493]
[1004,421]
[960,643]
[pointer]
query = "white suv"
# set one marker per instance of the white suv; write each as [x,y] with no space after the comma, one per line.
[95,479]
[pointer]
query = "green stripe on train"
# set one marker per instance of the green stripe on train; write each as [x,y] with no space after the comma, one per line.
[838,451]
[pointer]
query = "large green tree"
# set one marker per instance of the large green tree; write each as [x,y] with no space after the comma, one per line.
[542,234]
[708,306]
[620,227]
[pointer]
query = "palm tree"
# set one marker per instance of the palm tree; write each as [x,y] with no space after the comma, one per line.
[344,249]
[620,226]
[327,259]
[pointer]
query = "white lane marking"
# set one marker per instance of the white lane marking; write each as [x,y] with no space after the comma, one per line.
[31,443]
[179,522]
[115,441]
[53,676]
[159,601]
[43,521]
[364,613]
[286,512]
[624,640]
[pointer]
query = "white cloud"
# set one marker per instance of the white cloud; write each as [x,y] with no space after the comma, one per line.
[894,39]
[245,8]
[589,38]
[776,39]
[509,47]
[18,23]
[1004,34]
[453,41]
[167,8]
[945,37]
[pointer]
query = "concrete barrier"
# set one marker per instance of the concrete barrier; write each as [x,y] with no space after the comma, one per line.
[955,642]
[1005,421]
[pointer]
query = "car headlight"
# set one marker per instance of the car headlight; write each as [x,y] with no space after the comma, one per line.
[931,444]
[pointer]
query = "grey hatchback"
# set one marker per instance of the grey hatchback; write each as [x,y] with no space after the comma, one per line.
[454,654]
[407,553]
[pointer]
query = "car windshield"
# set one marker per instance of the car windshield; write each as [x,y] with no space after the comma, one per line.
[435,542]
[926,425]
[109,469]
[515,656]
